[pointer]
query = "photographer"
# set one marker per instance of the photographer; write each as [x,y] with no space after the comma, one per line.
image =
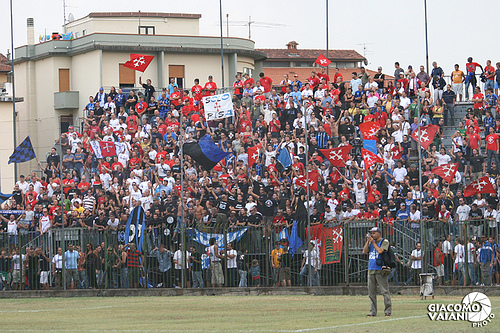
[377,273]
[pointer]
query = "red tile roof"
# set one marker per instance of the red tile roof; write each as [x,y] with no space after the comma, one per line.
[276,73]
[311,54]
[3,64]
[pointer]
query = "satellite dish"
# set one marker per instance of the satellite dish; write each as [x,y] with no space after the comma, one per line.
[365,62]
[71,18]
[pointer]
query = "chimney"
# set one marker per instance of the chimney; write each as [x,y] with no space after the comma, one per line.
[30,22]
[292,46]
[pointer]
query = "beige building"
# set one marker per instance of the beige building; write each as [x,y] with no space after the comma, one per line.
[57,77]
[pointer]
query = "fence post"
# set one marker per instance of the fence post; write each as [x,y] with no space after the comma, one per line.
[346,252]
[466,250]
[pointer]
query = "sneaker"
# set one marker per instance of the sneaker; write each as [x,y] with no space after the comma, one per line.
[371,315]
[482,284]
[387,314]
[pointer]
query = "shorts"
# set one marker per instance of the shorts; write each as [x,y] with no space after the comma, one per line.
[496,85]
[217,275]
[72,275]
[268,220]
[439,270]
[16,275]
[44,277]
[458,88]
[133,275]
[13,239]
[284,273]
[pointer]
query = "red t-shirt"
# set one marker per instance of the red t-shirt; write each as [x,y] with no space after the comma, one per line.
[141,107]
[162,129]
[275,125]
[266,82]
[177,96]
[478,105]
[65,182]
[324,76]
[196,89]
[243,125]
[251,81]
[209,86]
[116,166]
[160,155]
[313,81]
[491,70]
[134,161]
[81,185]
[491,142]
[471,67]
[474,140]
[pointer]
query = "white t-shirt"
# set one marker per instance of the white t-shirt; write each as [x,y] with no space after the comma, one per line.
[443,159]
[179,257]
[470,254]
[460,253]
[463,212]
[400,174]
[446,247]
[231,262]
[416,264]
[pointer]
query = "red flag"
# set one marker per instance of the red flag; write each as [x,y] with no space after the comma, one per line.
[323,61]
[427,134]
[446,171]
[482,185]
[313,180]
[107,148]
[335,176]
[338,155]
[369,130]
[370,158]
[329,242]
[253,154]
[138,62]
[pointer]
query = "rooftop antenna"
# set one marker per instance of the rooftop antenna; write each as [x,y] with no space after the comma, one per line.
[64,13]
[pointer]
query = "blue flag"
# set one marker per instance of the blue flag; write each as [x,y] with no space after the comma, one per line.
[23,153]
[205,152]
[284,159]
[204,237]
[134,231]
[295,241]
[370,145]
[4,197]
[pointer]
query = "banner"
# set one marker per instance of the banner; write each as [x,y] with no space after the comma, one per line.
[134,231]
[204,237]
[218,106]
[329,241]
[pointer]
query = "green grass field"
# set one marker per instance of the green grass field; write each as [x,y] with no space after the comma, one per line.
[228,314]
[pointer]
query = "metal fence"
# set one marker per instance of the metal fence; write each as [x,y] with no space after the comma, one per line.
[259,256]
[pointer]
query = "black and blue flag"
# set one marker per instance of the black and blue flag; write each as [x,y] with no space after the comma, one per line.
[23,153]
[205,152]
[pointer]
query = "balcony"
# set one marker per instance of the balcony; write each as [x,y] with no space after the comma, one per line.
[66,100]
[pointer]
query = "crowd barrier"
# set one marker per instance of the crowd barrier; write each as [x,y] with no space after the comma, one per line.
[336,252]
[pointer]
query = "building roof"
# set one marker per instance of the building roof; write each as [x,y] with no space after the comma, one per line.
[3,64]
[311,54]
[276,73]
[144,14]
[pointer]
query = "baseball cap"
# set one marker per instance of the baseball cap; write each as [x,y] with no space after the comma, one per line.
[295,75]
[101,89]
[375,229]
[379,67]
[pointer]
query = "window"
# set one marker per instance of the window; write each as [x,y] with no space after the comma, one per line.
[276,64]
[63,79]
[126,77]
[303,64]
[84,32]
[146,30]
[248,71]
[177,72]
[66,121]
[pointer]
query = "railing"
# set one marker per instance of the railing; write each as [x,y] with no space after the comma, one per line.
[339,247]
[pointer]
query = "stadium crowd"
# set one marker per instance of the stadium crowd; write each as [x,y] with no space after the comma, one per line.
[98,193]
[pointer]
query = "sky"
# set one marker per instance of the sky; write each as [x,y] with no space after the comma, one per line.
[391,30]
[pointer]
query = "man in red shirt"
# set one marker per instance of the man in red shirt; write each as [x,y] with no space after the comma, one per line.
[196,91]
[478,98]
[68,183]
[470,78]
[141,106]
[313,80]
[267,83]
[489,71]
[175,98]
[83,185]
[473,140]
[323,75]
[210,87]
[238,86]
[337,75]
[492,145]
[285,83]
[248,79]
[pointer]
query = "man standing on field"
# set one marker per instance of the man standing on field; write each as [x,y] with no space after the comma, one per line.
[375,245]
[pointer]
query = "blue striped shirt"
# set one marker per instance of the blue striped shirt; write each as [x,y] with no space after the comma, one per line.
[322,139]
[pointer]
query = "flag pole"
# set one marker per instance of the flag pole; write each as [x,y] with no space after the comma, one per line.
[14,115]
[183,226]
[309,251]
[327,71]
[221,43]
[422,229]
